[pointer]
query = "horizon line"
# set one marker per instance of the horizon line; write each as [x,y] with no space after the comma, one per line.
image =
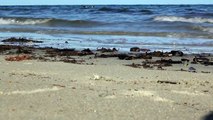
[92,4]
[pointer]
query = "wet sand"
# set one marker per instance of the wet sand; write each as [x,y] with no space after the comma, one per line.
[103,88]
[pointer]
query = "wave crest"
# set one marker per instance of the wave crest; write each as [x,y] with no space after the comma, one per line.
[22,21]
[183,19]
[46,22]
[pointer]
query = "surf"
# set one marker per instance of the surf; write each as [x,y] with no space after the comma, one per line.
[183,19]
[47,22]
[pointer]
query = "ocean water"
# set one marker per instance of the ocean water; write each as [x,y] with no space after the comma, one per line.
[157,27]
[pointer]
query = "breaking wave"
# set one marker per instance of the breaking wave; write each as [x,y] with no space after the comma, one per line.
[183,19]
[46,21]
[22,21]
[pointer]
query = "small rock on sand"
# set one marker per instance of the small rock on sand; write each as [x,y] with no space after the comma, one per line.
[191,69]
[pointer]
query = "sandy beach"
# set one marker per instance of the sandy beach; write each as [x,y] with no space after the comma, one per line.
[103,88]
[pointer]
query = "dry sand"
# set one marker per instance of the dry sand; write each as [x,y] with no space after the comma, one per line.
[107,90]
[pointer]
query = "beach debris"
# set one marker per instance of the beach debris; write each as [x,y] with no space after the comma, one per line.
[182,70]
[146,65]
[97,77]
[134,65]
[193,62]
[200,59]
[68,52]
[86,52]
[205,72]
[158,64]
[105,55]
[133,56]
[159,67]
[185,61]
[20,40]
[69,60]
[157,54]
[169,61]
[61,52]
[167,82]
[103,50]
[165,54]
[4,48]
[145,56]
[191,69]
[205,91]
[23,50]
[207,63]
[57,85]
[176,53]
[160,54]
[14,49]
[124,57]
[18,58]
[135,49]
[72,60]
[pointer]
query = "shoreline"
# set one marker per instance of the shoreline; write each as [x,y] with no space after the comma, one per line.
[153,60]
[106,62]
[123,43]
[37,83]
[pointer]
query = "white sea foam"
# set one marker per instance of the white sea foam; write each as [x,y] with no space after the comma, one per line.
[183,19]
[14,21]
